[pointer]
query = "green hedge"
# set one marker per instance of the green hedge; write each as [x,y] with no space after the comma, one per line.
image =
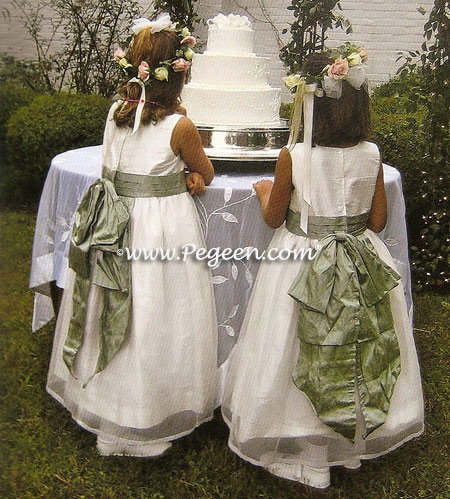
[48,126]
[401,138]
[12,97]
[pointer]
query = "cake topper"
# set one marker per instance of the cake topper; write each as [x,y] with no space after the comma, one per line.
[231,21]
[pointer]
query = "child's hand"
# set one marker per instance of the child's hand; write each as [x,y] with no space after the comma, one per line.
[263,188]
[195,183]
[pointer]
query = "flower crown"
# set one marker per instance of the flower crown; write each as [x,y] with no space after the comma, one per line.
[348,66]
[180,62]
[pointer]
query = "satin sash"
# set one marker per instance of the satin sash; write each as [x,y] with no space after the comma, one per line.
[346,330]
[101,227]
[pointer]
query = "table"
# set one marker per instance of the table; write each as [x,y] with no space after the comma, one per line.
[230,216]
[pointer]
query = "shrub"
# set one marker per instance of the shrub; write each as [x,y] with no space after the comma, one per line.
[401,137]
[405,128]
[12,97]
[48,126]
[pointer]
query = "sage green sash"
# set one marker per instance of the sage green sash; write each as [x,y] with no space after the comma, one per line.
[319,227]
[345,327]
[100,228]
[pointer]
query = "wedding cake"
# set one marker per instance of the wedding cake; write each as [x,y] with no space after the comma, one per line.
[229,84]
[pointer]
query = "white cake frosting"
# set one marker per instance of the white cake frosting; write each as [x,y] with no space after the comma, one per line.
[229,83]
[230,35]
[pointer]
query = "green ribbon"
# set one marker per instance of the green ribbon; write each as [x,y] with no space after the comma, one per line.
[101,223]
[101,227]
[346,331]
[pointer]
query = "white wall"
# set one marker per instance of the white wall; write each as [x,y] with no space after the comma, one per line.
[383,27]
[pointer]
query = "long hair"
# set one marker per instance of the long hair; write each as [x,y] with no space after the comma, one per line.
[152,48]
[341,121]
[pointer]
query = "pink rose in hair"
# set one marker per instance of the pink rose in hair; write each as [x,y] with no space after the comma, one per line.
[143,70]
[180,65]
[363,53]
[119,54]
[339,69]
[189,40]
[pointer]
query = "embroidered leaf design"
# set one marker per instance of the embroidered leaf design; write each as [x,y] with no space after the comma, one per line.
[219,279]
[229,217]
[227,194]
[216,266]
[249,277]
[230,330]
[234,271]
[233,311]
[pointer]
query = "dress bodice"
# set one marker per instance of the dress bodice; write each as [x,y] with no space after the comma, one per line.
[342,179]
[146,152]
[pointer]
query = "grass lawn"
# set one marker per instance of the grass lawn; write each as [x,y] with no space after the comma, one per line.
[44,453]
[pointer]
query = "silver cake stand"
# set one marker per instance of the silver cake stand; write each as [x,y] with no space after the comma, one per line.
[244,144]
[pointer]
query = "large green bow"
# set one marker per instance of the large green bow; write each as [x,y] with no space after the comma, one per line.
[346,333]
[101,223]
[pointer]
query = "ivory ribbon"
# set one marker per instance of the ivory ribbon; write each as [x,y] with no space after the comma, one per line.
[304,106]
[140,106]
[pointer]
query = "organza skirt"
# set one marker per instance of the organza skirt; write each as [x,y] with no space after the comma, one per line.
[163,382]
[274,425]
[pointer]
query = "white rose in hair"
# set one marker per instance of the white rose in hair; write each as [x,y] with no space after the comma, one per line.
[354,59]
[189,54]
[292,80]
[161,74]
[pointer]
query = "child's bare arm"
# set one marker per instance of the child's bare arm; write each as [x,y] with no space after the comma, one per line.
[186,141]
[275,197]
[378,211]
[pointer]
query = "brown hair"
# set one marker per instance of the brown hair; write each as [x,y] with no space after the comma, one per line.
[341,121]
[152,48]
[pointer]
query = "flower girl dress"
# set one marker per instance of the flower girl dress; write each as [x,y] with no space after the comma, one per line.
[162,381]
[272,422]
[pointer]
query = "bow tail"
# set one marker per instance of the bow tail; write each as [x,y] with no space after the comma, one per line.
[115,320]
[378,368]
[326,375]
[75,334]
[114,325]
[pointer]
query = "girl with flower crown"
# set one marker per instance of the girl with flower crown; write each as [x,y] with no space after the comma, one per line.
[325,370]
[134,356]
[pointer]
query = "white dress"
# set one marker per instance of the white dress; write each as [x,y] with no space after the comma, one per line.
[273,424]
[163,381]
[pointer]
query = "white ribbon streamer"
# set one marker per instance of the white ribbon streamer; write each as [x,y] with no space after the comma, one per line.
[140,106]
[308,109]
[304,104]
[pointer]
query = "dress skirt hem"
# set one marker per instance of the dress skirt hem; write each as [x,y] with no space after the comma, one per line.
[108,429]
[295,459]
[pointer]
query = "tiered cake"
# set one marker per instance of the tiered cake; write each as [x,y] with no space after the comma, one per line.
[229,84]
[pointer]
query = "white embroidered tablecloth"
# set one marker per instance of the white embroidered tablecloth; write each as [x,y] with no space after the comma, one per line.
[230,216]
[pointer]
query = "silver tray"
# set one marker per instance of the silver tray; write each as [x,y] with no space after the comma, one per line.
[244,143]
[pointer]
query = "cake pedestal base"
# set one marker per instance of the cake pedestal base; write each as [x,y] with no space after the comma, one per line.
[257,146]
